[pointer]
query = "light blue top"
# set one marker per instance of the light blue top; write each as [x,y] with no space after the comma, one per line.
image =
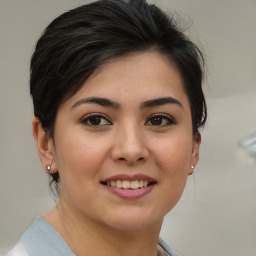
[41,239]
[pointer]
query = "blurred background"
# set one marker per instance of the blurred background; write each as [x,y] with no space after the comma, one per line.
[216,215]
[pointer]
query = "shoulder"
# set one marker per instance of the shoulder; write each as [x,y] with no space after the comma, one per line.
[42,239]
[165,249]
[18,250]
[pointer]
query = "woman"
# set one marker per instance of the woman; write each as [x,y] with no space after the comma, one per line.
[118,103]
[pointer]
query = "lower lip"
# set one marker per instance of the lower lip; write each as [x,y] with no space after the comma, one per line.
[130,193]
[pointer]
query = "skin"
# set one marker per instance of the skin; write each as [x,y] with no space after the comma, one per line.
[126,140]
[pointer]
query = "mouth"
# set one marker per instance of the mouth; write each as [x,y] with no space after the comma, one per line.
[129,184]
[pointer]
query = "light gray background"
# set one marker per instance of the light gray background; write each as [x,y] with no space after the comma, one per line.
[216,215]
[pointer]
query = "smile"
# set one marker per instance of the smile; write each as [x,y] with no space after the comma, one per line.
[127,184]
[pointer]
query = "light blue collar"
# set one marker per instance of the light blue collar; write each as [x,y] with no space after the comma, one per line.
[42,239]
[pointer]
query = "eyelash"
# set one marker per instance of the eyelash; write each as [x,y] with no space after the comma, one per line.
[161,116]
[87,120]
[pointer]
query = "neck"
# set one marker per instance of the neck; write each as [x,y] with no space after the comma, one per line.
[88,237]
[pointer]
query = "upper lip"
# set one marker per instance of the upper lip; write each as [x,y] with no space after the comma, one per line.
[130,177]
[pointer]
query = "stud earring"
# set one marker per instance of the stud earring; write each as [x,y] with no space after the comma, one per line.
[191,172]
[48,167]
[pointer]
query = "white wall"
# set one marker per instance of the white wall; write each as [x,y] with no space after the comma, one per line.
[216,215]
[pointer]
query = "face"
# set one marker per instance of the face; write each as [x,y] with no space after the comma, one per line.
[123,144]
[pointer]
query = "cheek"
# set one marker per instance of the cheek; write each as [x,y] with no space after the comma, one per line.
[173,160]
[174,155]
[80,156]
[79,163]
[173,163]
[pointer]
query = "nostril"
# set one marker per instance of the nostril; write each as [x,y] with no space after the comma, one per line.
[123,159]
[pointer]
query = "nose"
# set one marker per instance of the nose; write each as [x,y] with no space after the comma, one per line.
[129,146]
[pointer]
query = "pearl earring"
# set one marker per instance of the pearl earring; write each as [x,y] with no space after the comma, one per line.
[48,167]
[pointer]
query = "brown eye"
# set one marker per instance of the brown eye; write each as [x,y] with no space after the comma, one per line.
[96,120]
[160,120]
[156,120]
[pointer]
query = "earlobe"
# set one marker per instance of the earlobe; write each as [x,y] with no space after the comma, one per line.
[44,145]
[195,153]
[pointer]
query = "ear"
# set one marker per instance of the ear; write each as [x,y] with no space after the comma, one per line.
[45,146]
[195,152]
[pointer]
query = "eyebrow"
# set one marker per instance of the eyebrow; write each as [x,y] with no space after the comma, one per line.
[160,101]
[97,100]
[109,103]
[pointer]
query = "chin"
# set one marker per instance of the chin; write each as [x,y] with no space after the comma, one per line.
[134,221]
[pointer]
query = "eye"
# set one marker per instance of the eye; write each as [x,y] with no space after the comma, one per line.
[160,120]
[95,119]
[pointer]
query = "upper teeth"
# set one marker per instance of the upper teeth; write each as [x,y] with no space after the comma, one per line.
[135,184]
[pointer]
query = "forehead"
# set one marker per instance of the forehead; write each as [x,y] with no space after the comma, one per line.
[134,77]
